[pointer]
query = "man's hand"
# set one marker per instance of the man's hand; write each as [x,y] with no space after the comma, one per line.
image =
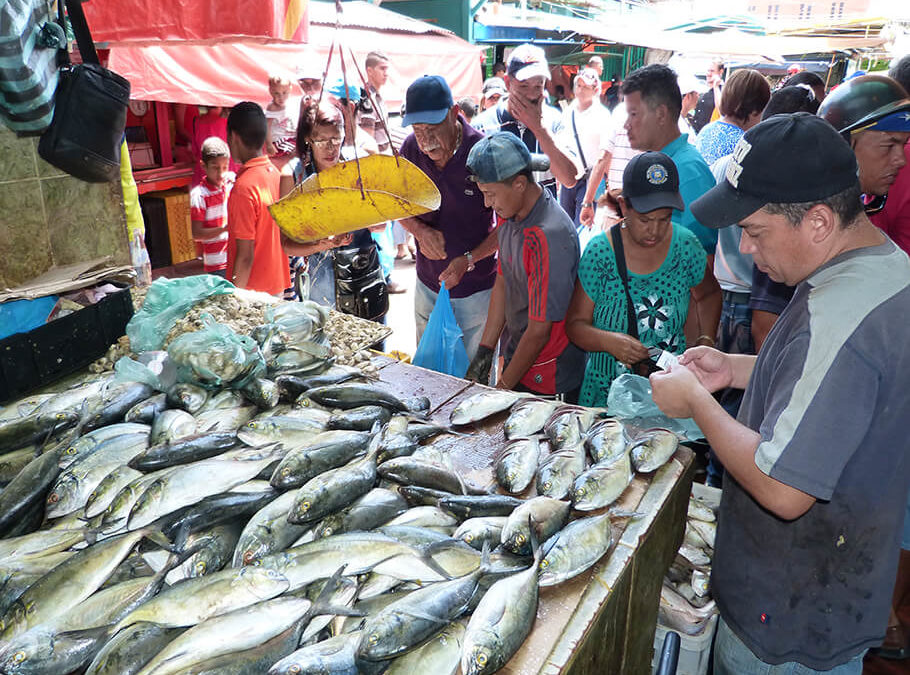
[452,274]
[479,370]
[711,366]
[586,217]
[432,243]
[526,112]
[674,391]
[626,349]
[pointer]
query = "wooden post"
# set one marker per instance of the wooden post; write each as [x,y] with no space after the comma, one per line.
[164,134]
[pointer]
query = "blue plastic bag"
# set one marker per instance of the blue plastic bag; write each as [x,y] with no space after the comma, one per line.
[441,346]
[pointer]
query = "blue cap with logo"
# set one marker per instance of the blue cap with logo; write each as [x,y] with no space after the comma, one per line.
[501,156]
[650,181]
[427,101]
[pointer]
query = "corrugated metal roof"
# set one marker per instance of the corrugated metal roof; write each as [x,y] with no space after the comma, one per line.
[359,14]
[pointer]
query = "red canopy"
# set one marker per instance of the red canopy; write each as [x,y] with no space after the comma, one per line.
[204,73]
[119,20]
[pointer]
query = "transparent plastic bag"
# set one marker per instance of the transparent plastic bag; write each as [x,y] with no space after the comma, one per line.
[167,301]
[630,399]
[216,356]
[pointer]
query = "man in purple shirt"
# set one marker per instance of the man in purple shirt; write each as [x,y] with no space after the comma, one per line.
[455,244]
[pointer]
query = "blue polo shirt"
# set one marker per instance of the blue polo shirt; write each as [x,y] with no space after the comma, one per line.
[695,179]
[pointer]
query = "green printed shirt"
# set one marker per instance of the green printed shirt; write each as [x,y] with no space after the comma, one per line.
[661,303]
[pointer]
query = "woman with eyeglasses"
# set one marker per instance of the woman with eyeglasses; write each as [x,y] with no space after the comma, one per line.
[343,271]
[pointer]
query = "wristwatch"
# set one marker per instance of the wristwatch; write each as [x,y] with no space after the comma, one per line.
[470,261]
[587,205]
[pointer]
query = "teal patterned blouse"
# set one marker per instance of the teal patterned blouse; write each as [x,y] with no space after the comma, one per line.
[661,303]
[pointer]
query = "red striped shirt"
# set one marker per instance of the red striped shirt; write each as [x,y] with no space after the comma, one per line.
[208,205]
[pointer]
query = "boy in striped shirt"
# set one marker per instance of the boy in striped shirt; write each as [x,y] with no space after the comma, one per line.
[208,205]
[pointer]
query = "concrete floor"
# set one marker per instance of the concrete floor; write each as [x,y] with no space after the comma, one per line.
[401,309]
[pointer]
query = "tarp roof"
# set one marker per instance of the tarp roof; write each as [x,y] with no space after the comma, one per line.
[192,20]
[728,42]
[227,71]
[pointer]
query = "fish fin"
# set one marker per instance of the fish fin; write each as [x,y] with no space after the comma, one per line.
[156,536]
[99,633]
[536,548]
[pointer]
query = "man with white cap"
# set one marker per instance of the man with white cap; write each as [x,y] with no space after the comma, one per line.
[526,114]
[584,123]
[818,460]
[691,89]
[494,88]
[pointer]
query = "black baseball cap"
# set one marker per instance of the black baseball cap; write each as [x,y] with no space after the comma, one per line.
[787,159]
[651,181]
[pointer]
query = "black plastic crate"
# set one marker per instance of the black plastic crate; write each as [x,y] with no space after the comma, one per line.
[47,353]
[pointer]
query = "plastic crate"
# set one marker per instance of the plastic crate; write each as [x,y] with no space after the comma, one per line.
[694,650]
[47,353]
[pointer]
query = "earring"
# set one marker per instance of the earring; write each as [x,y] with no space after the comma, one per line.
[623,225]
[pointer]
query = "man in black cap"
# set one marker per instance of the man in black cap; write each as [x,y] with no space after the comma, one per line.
[817,462]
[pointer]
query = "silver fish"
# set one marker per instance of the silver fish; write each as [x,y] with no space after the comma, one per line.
[544,514]
[528,417]
[575,548]
[482,405]
[607,441]
[516,466]
[652,450]
[602,484]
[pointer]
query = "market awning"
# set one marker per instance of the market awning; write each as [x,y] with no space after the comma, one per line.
[183,20]
[730,42]
[228,71]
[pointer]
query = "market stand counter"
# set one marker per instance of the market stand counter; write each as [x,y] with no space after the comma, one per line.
[602,621]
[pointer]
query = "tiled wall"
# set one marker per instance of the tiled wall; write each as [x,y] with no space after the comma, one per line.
[49,218]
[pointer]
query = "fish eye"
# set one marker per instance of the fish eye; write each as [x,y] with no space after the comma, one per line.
[546,486]
[253,425]
[248,557]
[200,567]
[481,659]
[544,563]
[71,450]
[293,670]
[520,539]
[92,496]
[53,498]
[286,471]
[19,657]
[305,506]
[328,532]
[469,538]
[374,638]
[580,492]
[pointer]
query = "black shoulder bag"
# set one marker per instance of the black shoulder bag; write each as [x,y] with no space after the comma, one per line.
[89,112]
[360,287]
[646,366]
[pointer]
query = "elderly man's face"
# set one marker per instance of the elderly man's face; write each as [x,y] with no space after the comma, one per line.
[438,141]
[880,155]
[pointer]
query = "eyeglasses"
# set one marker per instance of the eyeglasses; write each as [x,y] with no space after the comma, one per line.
[326,142]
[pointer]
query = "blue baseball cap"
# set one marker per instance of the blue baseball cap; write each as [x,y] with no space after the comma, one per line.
[337,89]
[427,101]
[500,156]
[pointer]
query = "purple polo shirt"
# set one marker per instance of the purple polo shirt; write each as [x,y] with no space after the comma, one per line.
[462,217]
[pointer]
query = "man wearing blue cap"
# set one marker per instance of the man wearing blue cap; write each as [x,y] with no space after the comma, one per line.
[538,263]
[456,243]
[818,460]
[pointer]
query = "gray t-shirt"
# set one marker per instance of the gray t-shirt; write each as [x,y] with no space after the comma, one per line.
[538,259]
[732,268]
[829,397]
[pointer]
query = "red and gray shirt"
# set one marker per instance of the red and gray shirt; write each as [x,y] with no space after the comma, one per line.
[208,205]
[538,260]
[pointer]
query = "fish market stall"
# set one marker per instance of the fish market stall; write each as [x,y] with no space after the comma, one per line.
[602,620]
[376,515]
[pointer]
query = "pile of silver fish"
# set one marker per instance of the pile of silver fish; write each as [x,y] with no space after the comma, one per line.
[309,526]
[686,604]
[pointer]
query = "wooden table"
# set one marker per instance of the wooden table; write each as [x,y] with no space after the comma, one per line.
[601,621]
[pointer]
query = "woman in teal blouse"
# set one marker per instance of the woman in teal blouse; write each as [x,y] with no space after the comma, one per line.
[676,300]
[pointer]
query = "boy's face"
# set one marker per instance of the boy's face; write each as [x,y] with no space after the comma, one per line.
[215,170]
[279,94]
